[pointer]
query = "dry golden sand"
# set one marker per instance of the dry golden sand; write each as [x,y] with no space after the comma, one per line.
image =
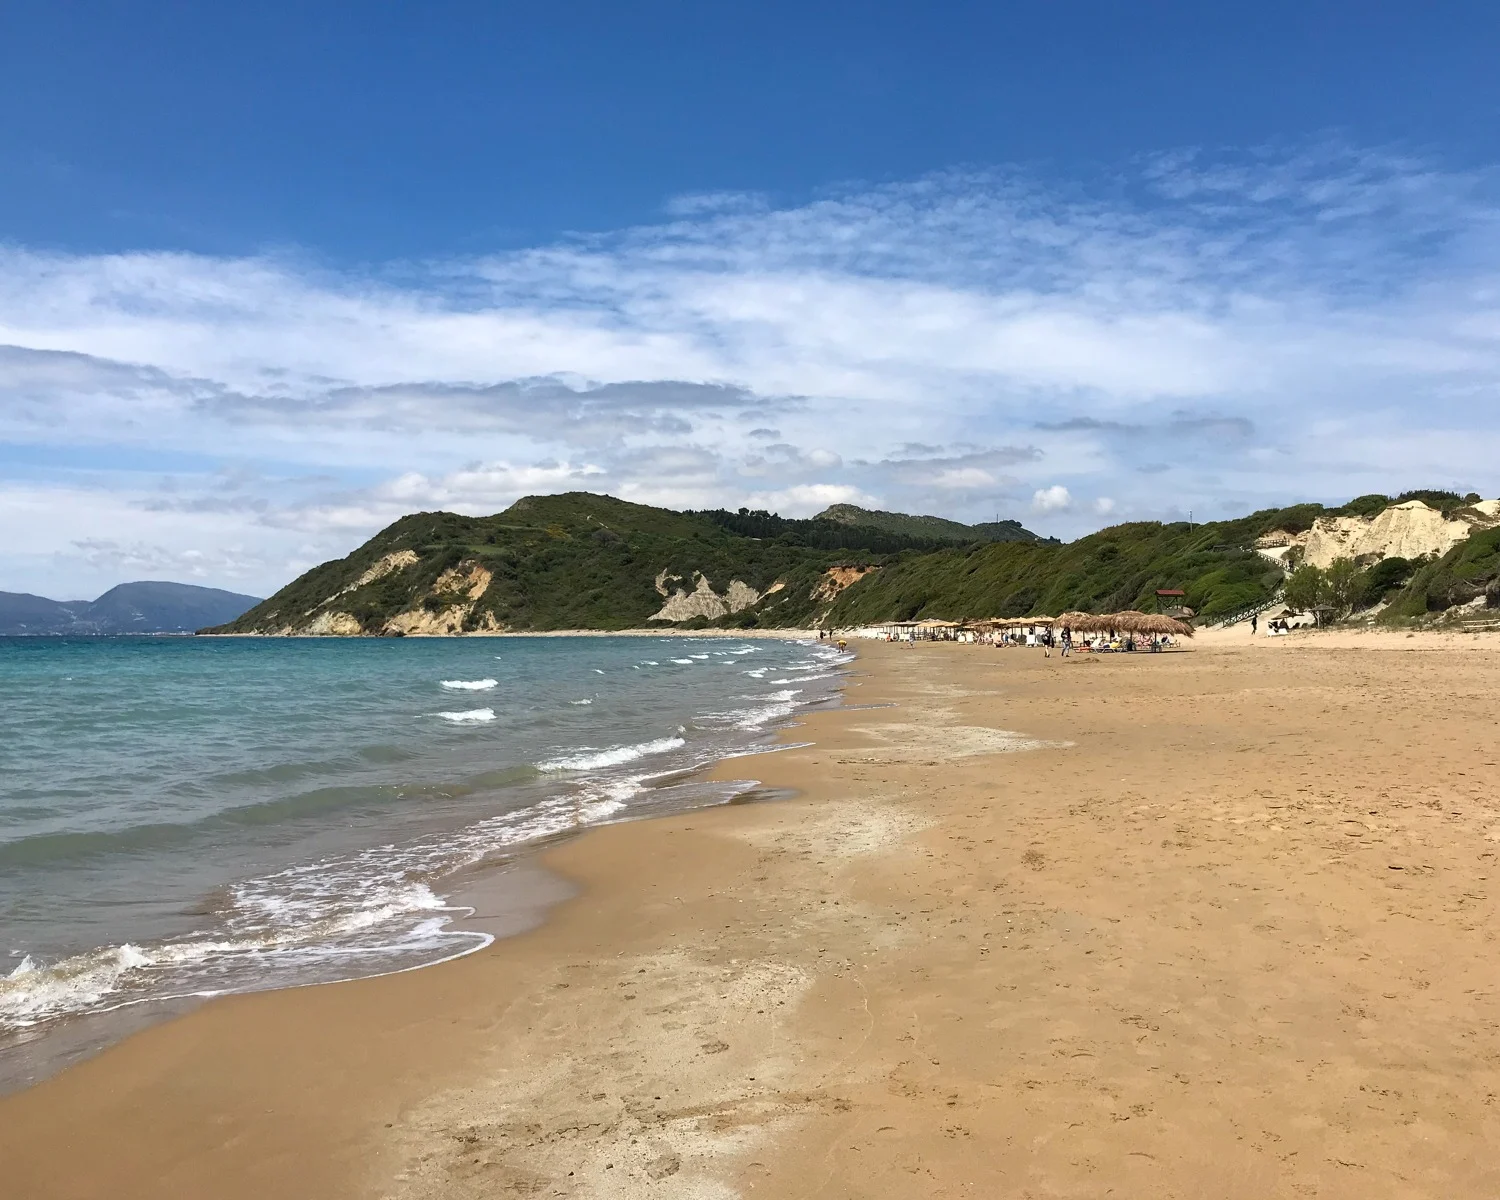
[1209,924]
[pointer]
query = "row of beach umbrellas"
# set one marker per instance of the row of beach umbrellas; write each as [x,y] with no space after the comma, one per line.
[1129,621]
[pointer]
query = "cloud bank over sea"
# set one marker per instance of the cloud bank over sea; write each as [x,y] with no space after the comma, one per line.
[1194,331]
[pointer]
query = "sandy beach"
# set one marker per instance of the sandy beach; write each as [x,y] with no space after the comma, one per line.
[1216,923]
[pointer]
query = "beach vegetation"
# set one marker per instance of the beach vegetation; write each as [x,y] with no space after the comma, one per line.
[1441,499]
[1468,574]
[1305,590]
[1371,505]
[1330,593]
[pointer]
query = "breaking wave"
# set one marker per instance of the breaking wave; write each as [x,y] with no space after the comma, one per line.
[469,716]
[593,760]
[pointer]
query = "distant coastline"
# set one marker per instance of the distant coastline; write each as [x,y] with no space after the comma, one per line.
[668,632]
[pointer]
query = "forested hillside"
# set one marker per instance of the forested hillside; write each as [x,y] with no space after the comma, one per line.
[574,561]
[1122,567]
[936,529]
[581,561]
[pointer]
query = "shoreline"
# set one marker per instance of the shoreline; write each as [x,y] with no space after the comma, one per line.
[1215,923]
[794,634]
[30,1055]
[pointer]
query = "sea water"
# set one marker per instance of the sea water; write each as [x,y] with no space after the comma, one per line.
[194,816]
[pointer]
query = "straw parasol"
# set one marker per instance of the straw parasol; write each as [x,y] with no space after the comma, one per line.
[1129,621]
[1160,623]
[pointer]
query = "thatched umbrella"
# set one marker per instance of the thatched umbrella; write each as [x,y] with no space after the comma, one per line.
[1131,621]
[1161,623]
[1128,621]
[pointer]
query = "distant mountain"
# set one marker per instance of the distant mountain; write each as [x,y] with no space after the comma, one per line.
[145,607]
[929,528]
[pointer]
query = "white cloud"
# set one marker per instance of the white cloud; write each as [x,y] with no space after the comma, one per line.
[805,499]
[1053,499]
[1252,330]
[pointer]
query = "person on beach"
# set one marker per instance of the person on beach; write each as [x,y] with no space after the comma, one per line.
[1254,621]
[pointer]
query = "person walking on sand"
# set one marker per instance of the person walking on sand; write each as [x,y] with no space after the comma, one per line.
[1254,621]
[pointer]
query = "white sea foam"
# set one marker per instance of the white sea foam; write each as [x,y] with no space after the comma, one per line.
[374,910]
[34,992]
[780,704]
[271,928]
[469,716]
[590,759]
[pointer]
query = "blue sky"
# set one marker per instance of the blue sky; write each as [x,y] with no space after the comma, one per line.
[270,278]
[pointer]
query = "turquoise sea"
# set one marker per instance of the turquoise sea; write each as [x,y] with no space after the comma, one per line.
[190,816]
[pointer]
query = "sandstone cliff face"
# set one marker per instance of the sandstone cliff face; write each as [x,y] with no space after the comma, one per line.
[421,622]
[468,578]
[388,565]
[836,579]
[442,612]
[446,608]
[328,624]
[1409,530]
[702,601]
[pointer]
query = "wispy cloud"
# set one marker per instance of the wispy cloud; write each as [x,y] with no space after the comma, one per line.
[1214,332]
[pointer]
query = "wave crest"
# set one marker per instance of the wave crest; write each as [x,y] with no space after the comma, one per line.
[469,716]
[592,760]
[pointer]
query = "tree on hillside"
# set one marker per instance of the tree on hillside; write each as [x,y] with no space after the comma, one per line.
[1345,584]
[1305,590]
[1331,594]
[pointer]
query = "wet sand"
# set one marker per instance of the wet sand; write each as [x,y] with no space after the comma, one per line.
[1215,923]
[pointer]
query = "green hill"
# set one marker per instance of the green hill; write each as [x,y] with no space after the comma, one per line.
[581,561]
[1122,567]
[573,561]
[1467,574]
[938,529]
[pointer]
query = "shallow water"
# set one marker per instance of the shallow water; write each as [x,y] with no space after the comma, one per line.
[191,816]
